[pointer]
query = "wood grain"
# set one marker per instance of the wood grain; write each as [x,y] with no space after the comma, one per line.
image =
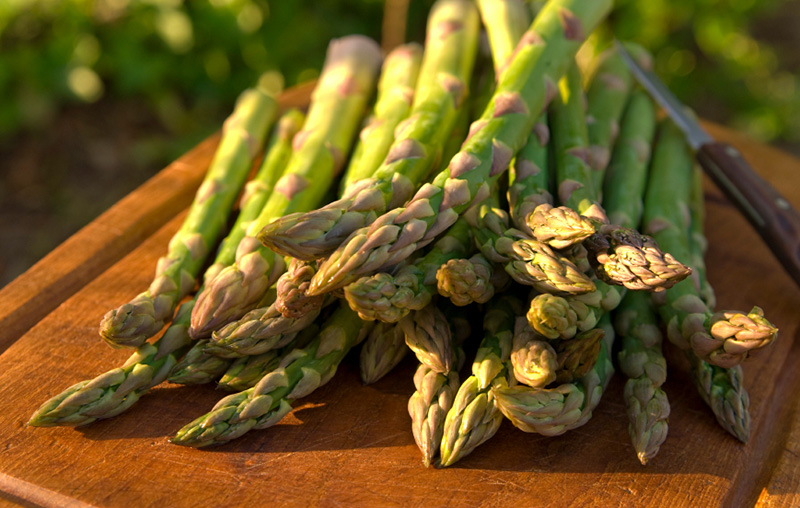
[349,444]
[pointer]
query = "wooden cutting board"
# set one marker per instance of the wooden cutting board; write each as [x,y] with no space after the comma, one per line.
[349,444]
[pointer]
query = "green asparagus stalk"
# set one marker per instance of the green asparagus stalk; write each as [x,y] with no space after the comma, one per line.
[176,274]
[392,105]
[320,150]
[472,280]
[196,366]
[618,255]
[722,389]
[530,202]
[441,91]
[389,297]
[301,372]
[113,392]
[428,335]
[246,372]
[553,317]
[474,417]
[641,360]
[383,349]
[626,177]
[428,407]
[505,22]
[522,92]
[606,97]
[260,330]
[554,411]
[725,338]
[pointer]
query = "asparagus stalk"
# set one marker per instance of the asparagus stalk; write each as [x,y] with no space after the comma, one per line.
[260,330]
[575,358]
[113,392]
[723,338]
[530,202]
[242,137]
[626,178]
[505,22]
[722,389]
[392,105]
[642,361]
[474,417]
[606,97]
[383,349]
[320,150]
[618,255]
[245,372]
[301,372]
[428,335]
[441,90]
[522,92]
[428,407]
[198,367]
[390,297]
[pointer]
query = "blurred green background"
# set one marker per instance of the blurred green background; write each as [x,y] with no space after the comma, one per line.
[98,95]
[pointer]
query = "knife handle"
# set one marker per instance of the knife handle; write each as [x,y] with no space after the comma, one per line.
[771,214]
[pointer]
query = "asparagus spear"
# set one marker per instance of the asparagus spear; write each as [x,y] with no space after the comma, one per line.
[606,97]
[474,417]
[530,202]
[113,392]
[245,372]
[301,372]
[242,137]
[320,149]
[383,349]
[428,407]
[197,366]
[505,22]
[642,361]
[723,338]
[722,389]
[389,297]
[392,105]
[257,332]
[522,92]
[441,89]
[618,255]
[576,357]
[428,335]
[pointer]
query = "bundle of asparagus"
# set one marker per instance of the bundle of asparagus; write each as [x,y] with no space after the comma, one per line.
[410,244]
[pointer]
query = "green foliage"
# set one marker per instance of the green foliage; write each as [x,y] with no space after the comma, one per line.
[707,53]
[186,60]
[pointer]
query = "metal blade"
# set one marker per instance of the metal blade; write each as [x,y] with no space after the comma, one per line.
[680,114]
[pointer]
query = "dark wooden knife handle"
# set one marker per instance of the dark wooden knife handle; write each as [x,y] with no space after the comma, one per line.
[771,214]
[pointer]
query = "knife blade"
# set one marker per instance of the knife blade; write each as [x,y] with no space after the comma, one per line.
[772,215]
